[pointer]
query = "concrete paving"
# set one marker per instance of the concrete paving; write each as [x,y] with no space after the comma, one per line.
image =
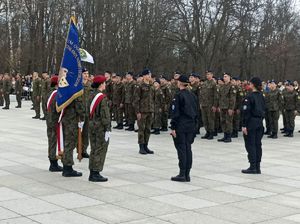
[139,190]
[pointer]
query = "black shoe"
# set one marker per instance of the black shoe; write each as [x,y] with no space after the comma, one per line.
[215,133]
[234,134]
[18,106]
[69,172]
[227,138]
[96,177]
[156,131]
[137,130]
[180,177]
[85,155]
[251,170]
[211,136]
[36,117]
[142,149]
[54,167]
[147,149]
[258,168]
[187,175]
[119,127]
[289,134]
[5,108]
[31,108]
[43,118]
[282,129]
[205,136]
[126,124]
[164,129]
[267,132]
[130,128]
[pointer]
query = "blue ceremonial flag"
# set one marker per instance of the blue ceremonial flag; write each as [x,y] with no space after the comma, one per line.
[70,74]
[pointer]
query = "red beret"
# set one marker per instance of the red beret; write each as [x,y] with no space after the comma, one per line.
[99,79]
[54,80]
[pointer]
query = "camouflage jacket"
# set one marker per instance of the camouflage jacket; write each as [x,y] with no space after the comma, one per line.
[52,114]
[129,91]
[46,83]
[208,96]
[36,87]
[227,96]
[290,100]
[101,119]
[158,100]
[143,101]
[118,94]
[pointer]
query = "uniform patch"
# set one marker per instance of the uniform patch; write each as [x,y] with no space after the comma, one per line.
[173,107]
[245,107]
[234,91]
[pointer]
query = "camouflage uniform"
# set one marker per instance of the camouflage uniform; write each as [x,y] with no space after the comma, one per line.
[208,99]
[144,104]
[98,125]
[118,99]
[36,96]
[45,83]
[227,102]
[217,124]
[6,91]
[1,92]
[52,122]
[129,91]
[290,102]
[18,90]
[237,111]
[274,104]
[166,91]
[158,104]
[85,130]
[72,115]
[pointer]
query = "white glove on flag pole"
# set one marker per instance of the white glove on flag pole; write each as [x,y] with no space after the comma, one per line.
[85,56]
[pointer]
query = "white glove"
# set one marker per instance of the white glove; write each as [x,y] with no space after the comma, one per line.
[107,136]
[80,124]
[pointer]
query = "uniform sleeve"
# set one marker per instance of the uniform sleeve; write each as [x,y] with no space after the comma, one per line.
[123,94]
[136,98]
[215,96]
[80,110]
[246,111]
[175,114]
[232,98]
[105,115]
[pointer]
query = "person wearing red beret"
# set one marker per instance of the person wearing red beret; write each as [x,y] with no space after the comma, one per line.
[52,122]
[99,128]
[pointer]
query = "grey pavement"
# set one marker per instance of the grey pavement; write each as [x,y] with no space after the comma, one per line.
[139,190]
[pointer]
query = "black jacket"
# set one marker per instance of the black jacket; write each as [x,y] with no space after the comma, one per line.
[184,112]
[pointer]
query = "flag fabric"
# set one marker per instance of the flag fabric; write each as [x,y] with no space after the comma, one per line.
[86,56]
[70,74]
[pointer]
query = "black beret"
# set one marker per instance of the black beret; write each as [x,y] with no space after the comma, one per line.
[184,79]
[157,80]
[129,73]
[84,70]
[146,72]
[256,81]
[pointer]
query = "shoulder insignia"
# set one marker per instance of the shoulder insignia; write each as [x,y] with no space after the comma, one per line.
[234,91]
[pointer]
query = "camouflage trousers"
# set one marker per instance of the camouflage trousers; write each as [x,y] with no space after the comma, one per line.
[130,113]
[44,105]
[273,119]
[118,113]
[208,118]
[1,98]
[267,120]
[157,120]
[18,98]
[164,118]
[37,106]
[290,120]
[236,121]
[70,132]
[226,121]
[52,141]
[98,150]
[144,125]
[7,100]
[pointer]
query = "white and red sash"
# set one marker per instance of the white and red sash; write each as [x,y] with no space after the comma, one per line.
[95,102]
[50,99]
[60,135]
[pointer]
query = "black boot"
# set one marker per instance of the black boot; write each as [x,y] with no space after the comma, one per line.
[289,133]
[215,133]
[142,149]
[5,108]
[85,155]
[156,131]
[18,106]
[54,167]
[69,172]
[119,126]
[258,168]
[251,170]
[210,136]
[164,129]
[227,138]
[234,134]
[36,117]
[147,149]
[222,139]
[96,177]
[187,175]
[43,118]
[180,177]
[206,135]
[267,132]
[130,128]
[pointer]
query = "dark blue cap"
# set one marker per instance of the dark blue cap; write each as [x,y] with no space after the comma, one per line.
[146,72]
[184,79]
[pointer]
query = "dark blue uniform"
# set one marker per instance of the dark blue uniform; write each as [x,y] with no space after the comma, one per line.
[253,115]
[184,122]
